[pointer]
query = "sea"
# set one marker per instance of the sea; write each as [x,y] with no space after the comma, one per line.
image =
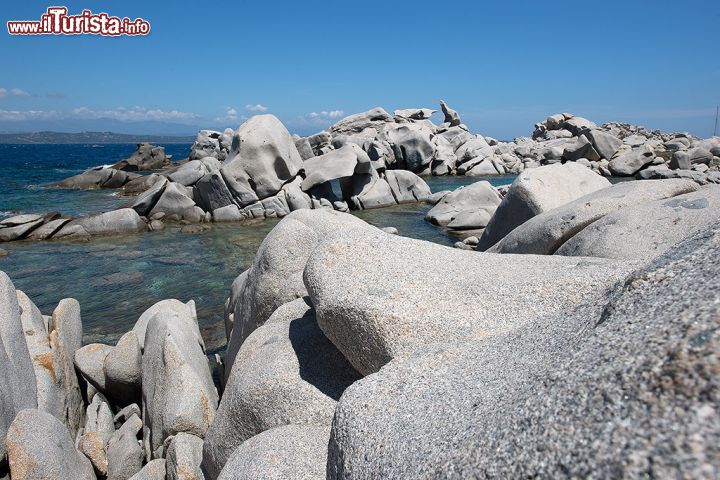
[117,278]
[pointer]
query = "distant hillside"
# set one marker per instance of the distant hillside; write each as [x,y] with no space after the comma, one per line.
[88,137]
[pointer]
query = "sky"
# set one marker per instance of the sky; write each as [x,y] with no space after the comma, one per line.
[502,65]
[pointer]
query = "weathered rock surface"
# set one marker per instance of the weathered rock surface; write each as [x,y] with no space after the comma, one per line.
[275,276]
[647,230]
[41,448]
[263,157]
[184,456]
[286,372]
[177,389]
[124,453]
[174,201]
[153,470]
[90,360]
[466,208]
[291,452]
[564,398]
[124,220]
[123,370]
[357,300]
[545,233]
[145,157]
[536,191]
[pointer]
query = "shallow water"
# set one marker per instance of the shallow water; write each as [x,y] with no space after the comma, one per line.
[116,278]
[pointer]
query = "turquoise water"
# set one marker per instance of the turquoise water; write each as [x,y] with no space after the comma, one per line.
[116,278]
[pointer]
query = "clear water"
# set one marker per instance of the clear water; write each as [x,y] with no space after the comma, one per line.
[116,278]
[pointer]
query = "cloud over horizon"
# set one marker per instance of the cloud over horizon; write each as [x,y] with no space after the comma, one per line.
[256,108]
[13,92]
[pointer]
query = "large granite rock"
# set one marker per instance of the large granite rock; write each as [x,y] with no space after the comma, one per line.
[124,220]
[124,453]
[545,233]
[374,311]
[263,157]
[212,193]
[89,179]
[275,277]
[361,123]
[411,145]
[177,388]
[624,389]
[538,190]
[41,448]
[145,157]
[184,457]
[123,370]
[406,187]
[333,165]
[647,230]
[188,173]
[175,202]
[291,452]
[467,207]
[629,163]
[19,226]
[65,334]
[286,372]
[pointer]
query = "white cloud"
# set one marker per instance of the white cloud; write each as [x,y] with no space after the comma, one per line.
[13,92]
[231,117]
[326,114]
[256,108]
[123,114]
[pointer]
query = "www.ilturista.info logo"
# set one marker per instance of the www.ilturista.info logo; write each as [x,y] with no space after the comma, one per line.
[56,21]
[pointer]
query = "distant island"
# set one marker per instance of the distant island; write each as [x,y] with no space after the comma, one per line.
[88,137]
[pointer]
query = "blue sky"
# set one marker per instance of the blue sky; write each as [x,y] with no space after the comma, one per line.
[502,65]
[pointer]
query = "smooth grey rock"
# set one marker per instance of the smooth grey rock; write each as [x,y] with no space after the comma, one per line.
[124,453]
[18,220]
[124,220]
[22,384]
[89,179]
[331,166]
[647,230]
[213,193]
[680,160]
[38,343]
[153,470]
[182,309]
[229,213]
[263,153]
[407,187]
[436,197]
[390,230]
[605,144]
[628,164]
[451,116]
[275,277]
[545,233]
[123,375]
[145,157]
[124,414]
[11,231]
[297,452]
[398,302]
[286,372]
[188,173]
[92,445]
[564,399]
[414,113]
[47,230]
[90,360]
[99,419]
[472,199]
[538,190]
[65,333]
[142,183]
[145,202]
[117,179]
[177,388]
[41,448]
[184,456]
[361,122]
[411,145]
[174,201]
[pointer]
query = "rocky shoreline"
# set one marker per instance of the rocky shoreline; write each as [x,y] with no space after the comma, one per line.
[367,160]
[579,340]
